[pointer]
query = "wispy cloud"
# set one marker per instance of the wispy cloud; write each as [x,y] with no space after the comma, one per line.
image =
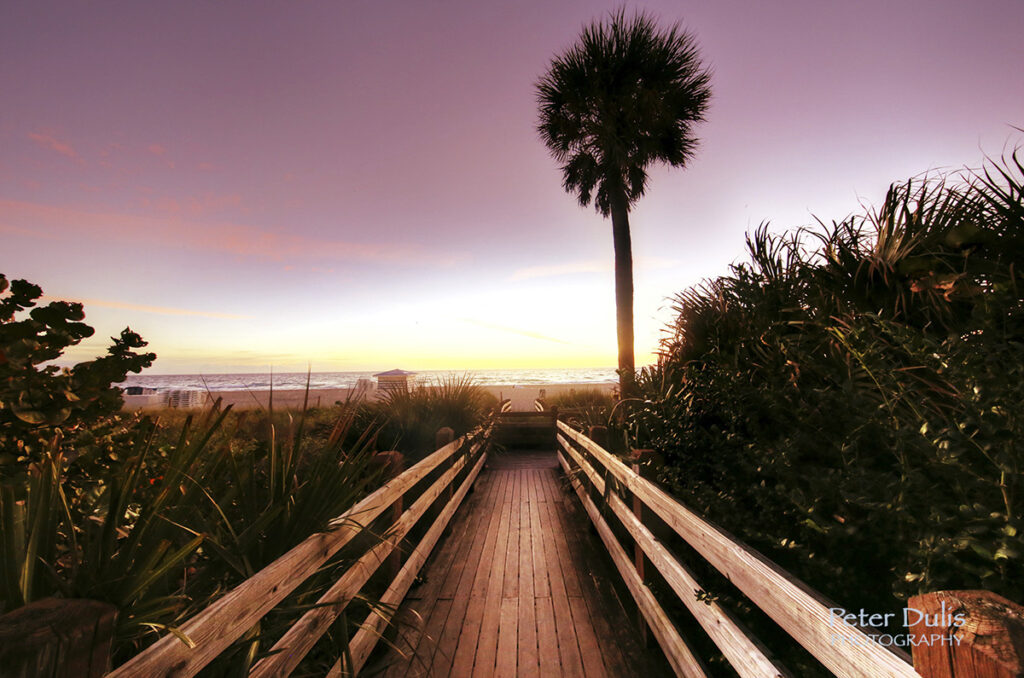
[203,235]
[192,206]
[52,143]
[156,149]
[567,268]
[159,310]
[587,266]
[513,330]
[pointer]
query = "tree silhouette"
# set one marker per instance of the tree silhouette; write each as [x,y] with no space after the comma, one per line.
[624,96]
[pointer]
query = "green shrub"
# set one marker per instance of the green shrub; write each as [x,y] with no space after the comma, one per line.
[38,401]
[583,408]
[852,410]
[157,519]
[411,418]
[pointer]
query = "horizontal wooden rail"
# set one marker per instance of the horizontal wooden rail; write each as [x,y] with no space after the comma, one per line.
[369,632]
[679,655]
[300,638]
[801,612]
[743,652]
[214,629]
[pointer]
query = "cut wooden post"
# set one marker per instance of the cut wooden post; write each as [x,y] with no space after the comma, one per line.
[599,434]
[445,435]
[638,457]
[638,556]
[57,638]
[966,634]
[393,463]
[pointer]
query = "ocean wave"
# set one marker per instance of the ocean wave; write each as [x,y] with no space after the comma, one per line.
[290,381]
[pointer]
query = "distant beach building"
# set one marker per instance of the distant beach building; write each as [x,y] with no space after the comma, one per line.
[186,398]
[395,380]
[141,398]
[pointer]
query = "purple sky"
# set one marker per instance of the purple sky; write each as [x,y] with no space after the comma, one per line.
[359,185]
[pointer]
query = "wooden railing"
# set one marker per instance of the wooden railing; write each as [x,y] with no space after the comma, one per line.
[213,630]
[845,649]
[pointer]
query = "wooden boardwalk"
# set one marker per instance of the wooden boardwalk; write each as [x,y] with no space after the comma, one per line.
[517,588]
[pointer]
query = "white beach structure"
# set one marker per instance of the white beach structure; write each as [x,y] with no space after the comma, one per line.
[395,380]
[186,398]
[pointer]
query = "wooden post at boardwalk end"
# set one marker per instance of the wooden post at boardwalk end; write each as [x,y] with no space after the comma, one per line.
[57,638]
[599,434]
[444,436]
[638,457]
[975,634]
[393,464]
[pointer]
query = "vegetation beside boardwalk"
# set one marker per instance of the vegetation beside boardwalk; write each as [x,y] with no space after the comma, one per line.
[848,400]
[160,515]
[409,419]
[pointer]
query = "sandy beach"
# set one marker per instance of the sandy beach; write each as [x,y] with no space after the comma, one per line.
[522,396]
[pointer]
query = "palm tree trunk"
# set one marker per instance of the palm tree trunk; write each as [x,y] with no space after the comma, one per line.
[623,291]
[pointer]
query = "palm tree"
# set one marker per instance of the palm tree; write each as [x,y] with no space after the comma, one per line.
[626,95]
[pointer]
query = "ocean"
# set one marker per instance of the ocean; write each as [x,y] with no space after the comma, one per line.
[289,381]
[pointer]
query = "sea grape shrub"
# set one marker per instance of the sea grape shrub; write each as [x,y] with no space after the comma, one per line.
[39,401]
[853,411]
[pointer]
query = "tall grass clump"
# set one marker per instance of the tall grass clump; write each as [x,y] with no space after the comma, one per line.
[583,408]
[410,418]
[848,400]
[158,519]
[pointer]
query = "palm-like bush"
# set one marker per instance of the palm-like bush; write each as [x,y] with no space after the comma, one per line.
[624,97]
[851,409]
[181,517]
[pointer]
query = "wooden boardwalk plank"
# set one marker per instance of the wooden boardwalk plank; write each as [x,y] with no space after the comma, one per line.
[590,649]
[510,582]
[591,607]
[518,594]
[487,645]
[540,573]
[600,598]
[547,640]
[475,591]
[425,634]
[460,634]
[508,632]
[559,571]
[415,614]
[527,664]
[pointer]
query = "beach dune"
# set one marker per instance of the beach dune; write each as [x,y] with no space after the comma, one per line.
[522,396]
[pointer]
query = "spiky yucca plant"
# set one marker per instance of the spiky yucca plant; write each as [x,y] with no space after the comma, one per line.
[850,409]
[411,418]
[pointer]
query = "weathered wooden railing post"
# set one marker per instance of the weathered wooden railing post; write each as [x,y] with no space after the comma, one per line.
[969,634]
[599,434]
[57,638]
[445,435]
[637,458]
[393,464]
